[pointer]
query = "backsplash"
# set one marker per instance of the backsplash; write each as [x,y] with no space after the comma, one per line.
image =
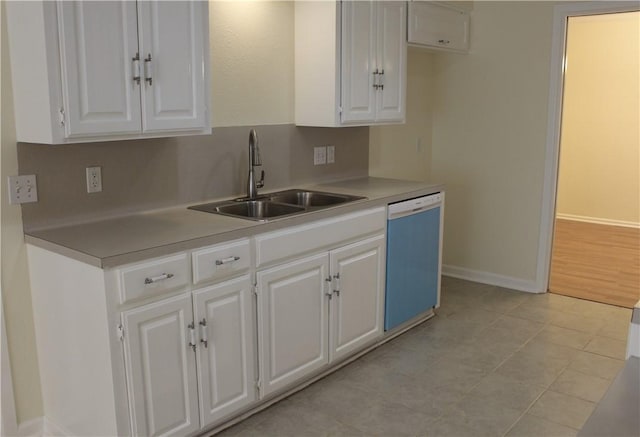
[139,175]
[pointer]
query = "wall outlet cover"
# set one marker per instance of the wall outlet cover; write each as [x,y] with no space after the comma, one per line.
[22,189]
[94,179]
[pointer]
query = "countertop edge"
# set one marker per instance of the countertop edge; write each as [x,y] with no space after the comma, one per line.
[245,229]
[63,250]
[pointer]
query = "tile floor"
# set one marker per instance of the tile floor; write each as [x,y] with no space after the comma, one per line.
[493,362]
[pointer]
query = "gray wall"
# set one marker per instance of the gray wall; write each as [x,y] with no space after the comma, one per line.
[155,173]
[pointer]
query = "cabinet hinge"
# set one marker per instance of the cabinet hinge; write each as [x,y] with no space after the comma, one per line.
[120,332]
[61,116]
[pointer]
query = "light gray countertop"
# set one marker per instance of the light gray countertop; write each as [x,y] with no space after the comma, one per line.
[116,241]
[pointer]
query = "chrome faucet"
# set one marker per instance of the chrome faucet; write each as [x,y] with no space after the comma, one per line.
[254,161]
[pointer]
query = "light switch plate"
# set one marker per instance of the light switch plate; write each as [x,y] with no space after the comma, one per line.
[22,189]
[319,155]
[331,154]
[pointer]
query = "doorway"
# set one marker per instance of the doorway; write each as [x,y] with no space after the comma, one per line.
[596,243]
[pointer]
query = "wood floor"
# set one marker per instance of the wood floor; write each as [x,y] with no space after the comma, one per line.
[596,262]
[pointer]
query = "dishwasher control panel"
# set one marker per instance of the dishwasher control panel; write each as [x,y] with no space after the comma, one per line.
[417,204]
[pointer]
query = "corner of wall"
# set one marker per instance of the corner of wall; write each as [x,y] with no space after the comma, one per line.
[16,291]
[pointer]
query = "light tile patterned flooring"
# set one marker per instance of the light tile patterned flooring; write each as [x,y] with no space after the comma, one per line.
[493,362]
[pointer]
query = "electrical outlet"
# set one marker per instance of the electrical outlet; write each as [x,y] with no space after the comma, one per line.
[331,154]
[94,179]
[319,155]
[22,189]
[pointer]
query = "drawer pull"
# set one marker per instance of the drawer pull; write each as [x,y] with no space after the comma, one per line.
[220,262]
[158,278]
[444,41]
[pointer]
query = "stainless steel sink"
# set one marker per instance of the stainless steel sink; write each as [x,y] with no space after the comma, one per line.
[276,205]
[250,209]
[310,198]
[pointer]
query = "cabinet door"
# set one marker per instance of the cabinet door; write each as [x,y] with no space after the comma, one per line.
[391,60]
[358,61]
[173,62]
[438,26]
[226,354]
[99,93]
[357,305]
[292,320]
[161,368]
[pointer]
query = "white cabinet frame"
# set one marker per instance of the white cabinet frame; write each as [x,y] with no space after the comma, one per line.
[71,84]
[350,63]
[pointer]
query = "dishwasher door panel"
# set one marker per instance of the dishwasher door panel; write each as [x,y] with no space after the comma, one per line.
[413,247]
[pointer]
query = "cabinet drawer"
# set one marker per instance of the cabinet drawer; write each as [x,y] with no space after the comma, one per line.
[322,234]
[154,277]
[221,261]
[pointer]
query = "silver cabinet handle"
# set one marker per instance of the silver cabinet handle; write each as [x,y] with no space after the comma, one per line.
[223,261]
[376,73]
[148,70]
[444,41]
[158,278]
[136,68]
[192,336]
[337,289]
[203,332]
[381,80]
[329,292]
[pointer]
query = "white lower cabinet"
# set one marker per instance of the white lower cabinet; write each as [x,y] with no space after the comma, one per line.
[161,368]
[292,320]
[356,310]
[190,361]
[318,309]
[226,351]
[150,349]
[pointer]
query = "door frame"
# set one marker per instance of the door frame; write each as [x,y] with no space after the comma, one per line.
[8,422]
[561,15]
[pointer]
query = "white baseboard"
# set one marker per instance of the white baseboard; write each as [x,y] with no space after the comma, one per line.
[41,427]
[598,221]
[633,341]
[31,428]
[491,279]
[52,429]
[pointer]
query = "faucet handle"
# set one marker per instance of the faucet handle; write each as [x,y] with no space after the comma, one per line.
[260,183]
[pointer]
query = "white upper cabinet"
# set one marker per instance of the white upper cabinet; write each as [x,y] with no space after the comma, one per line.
[103,70]
[359,62]
[97,86]
[350,63]
[438,27]
[172,38]
[391,61]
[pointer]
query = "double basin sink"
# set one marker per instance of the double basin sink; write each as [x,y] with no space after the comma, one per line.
[276,205]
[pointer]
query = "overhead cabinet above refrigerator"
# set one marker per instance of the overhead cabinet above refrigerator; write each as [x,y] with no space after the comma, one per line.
[102,70]
[438,27]
[350,63]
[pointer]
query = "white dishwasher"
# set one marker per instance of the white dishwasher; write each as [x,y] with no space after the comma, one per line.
[414,252]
